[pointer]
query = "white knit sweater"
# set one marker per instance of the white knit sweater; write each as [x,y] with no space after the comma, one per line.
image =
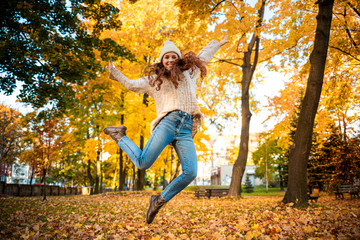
[168,98]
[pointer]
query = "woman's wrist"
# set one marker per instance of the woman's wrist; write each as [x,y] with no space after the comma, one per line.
[224,41]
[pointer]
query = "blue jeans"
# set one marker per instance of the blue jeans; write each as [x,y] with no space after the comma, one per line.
[174,128]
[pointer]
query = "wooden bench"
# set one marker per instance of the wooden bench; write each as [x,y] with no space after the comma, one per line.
[201,193]
[215,192]
[314,196]
[351,189]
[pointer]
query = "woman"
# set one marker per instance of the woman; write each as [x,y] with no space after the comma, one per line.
[171,83]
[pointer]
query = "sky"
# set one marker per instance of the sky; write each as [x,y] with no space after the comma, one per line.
[11,101]
[271,85]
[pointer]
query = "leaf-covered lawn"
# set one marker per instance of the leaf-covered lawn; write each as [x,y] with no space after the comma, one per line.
[115,216]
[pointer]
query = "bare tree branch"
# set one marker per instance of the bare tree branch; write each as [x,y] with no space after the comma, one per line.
[227,61]
[237,10]
[346,53]
[237,48]
[349,34]
[353,8]
[278,53]
[213,9]
[347,29]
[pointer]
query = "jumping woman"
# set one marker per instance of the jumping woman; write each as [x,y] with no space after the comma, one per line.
[171,83]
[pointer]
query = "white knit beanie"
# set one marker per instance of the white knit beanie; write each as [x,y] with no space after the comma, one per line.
[169,46]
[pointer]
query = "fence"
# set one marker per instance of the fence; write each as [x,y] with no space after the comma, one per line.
[25,190]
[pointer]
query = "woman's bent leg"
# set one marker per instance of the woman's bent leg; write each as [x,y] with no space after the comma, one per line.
[186,152]
[159,139]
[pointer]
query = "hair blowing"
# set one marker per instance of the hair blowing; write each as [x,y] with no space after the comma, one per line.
[189,61]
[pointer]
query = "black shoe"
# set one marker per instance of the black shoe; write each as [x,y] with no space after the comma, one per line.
[116,133]
[156,202]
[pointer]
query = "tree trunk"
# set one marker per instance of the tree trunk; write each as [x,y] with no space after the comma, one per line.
[142,173]
[97,177]
[176,173]
[101,177]
[240,164]
[248,70]
[122,167]
[113,185]
[299,154]
[31,179]
[281,178]
[134,184]
[44,187]
[98,164]
[91,179]
[164,178]
[122,171]
[171,163]
[140,179]
[156,182]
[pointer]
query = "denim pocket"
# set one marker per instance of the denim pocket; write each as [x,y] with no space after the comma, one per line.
[188,124]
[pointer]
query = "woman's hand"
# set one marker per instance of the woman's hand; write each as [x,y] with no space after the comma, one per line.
[224,41]
[110,65]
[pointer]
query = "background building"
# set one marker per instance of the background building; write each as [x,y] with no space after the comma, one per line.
[222,175]
[15,173]
[217,170]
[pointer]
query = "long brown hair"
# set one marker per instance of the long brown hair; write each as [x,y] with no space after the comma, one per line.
[188,61]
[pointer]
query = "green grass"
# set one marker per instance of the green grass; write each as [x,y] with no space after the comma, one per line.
[258,190]
[202,187]
[261,191]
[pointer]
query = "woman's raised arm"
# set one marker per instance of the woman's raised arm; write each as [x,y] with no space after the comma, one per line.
[224,41]
[209,51]
[140,85]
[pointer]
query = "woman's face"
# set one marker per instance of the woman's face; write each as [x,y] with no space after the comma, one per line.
[169,59]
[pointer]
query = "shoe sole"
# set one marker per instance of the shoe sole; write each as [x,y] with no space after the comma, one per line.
[107,131]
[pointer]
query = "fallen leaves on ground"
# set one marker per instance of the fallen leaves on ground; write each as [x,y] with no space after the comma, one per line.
[122,216]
